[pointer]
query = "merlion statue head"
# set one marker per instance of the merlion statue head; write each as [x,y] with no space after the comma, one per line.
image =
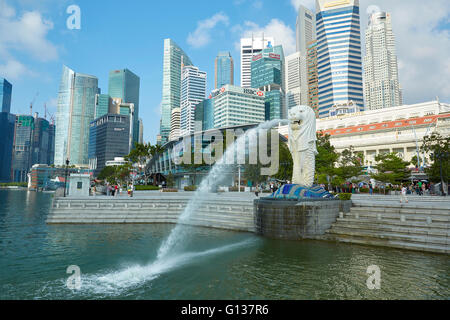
[302,126]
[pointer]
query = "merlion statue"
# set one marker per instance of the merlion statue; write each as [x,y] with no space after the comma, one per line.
[302,144]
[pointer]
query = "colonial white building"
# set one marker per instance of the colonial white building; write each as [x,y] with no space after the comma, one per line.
[399,129]
[381,84]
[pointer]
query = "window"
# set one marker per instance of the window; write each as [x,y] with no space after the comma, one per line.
[79,185]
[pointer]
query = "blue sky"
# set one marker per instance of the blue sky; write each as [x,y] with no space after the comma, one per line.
[35,43]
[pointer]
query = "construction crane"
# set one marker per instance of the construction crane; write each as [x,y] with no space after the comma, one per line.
[31,103]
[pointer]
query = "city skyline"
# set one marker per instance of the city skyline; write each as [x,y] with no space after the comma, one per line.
[197,41]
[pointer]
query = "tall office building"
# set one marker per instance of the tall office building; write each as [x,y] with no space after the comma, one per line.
[193,91]
[235,106]
[305,28]
[175,124]
[174,60]
[102,104]
[249,47]
[313,76]
[381,84]
[296,80]
[268,76]
[43,138]
[124,84]
[109,138]
[5,95]
[22,149]
[141,130]
[76,110]
[338,54]
[7,123]
[224,70]
[204,114]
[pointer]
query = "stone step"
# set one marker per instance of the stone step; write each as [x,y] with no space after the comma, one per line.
[423,231]
[397,216]
[392,243]
[442,241]
[348,219]
[105,211]
[422,211]
[408,206]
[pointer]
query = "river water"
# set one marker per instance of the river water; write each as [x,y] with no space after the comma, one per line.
[118,262]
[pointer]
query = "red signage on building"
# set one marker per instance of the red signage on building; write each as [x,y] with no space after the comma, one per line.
[274,56]
[260,93]
[257,57]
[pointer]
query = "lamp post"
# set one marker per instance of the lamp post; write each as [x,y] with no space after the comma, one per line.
[65,177]
[239,184]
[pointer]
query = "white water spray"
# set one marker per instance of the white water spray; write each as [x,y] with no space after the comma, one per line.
[214,177]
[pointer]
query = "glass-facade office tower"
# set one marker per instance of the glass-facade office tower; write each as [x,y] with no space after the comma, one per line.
[313,76]
[204,114]
[5,95]
[174,60]
[124,84]
[268,75]
[338,54]
[193,91]
[381,84]
[7,123]
[296,80]
[249,47]
[76,110]
[23,145]
[224,70]
[43,138]
[305,29]
[102,104]
[108,138]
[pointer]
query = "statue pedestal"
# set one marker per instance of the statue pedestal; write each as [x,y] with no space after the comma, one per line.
[294,220]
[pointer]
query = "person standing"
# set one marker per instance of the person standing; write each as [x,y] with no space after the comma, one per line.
[403,197]
[370,189]
[116,190]
[257,191]
[94,190]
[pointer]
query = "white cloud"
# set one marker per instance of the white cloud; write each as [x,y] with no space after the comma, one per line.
[201,36]
[310,4]
[25,34]
[13,69]
[282,33]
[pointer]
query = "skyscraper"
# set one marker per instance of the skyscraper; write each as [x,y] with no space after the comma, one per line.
[381,84]
[313,76]
[43,138]
[141,130]
[76,110]
[234,106]
[249,47]
[23,145]
[305,28]
[102,104]
[124,84]
[224,70]
[174,59]
[175,124]
[193,91]
[296,80]
[7,123]
[267,70]
[338,54]
[5,95]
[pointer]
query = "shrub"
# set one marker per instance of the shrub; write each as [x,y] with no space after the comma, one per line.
[363,190]
[14,184]
[190,188]
[169,190]
[345,196]
[141,188]
[266,191]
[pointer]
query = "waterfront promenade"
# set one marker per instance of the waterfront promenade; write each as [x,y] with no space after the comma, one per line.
[421,224]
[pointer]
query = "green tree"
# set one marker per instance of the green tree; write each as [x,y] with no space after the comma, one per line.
[170,180]
[325,159]
[439,149]
[349,166]
[391,168]
[106,173]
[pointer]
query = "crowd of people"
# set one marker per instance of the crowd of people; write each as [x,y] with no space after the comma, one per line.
[114,190]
